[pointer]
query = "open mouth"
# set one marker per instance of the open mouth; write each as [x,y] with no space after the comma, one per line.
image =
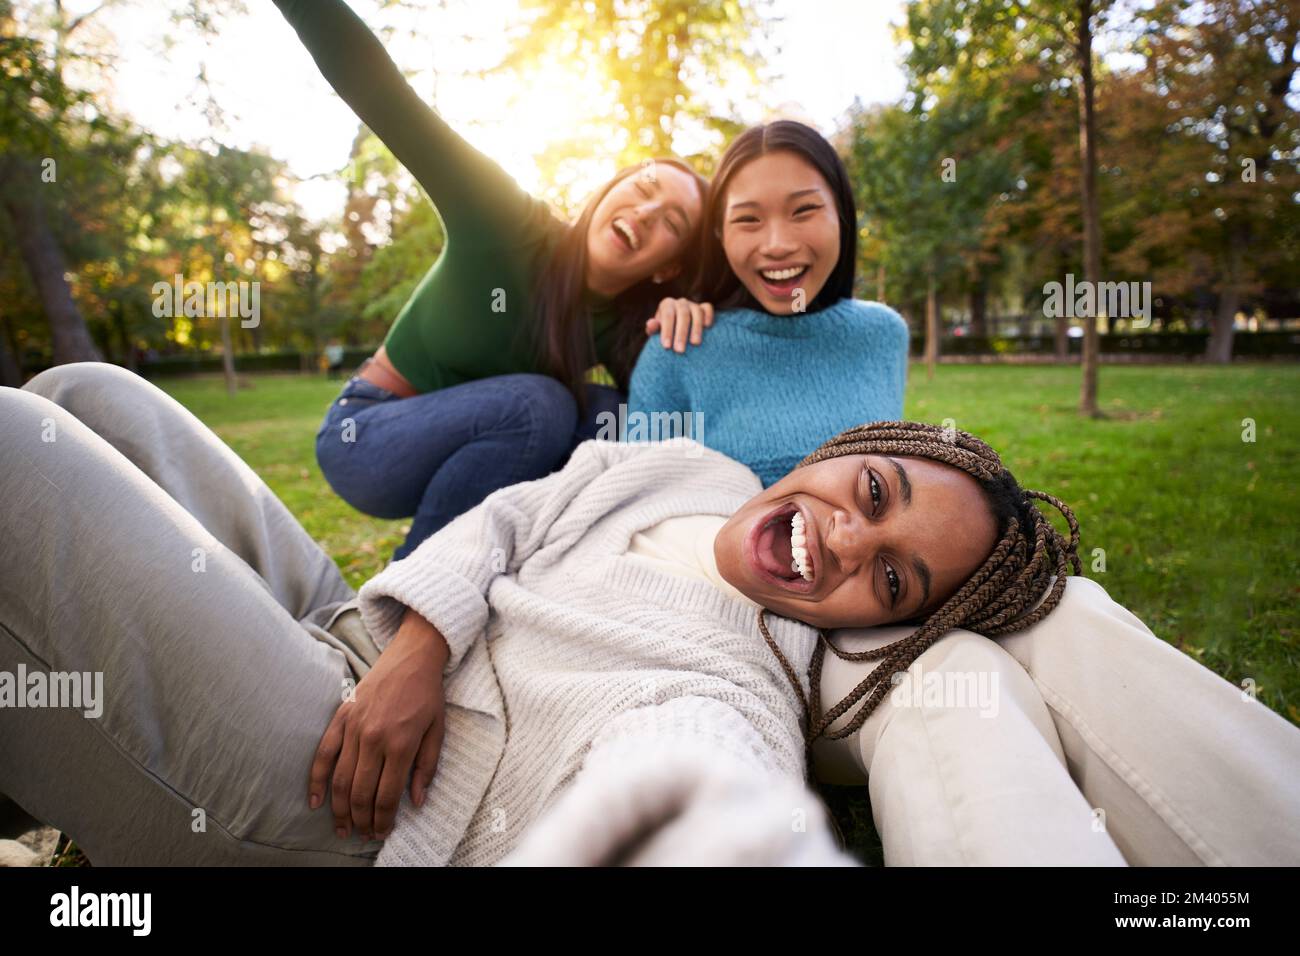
[783,281]
[625,235]
[780,550]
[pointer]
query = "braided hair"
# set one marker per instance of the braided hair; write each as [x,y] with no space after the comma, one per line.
[999,598]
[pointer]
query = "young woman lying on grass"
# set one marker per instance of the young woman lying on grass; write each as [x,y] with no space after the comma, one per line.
[651,619]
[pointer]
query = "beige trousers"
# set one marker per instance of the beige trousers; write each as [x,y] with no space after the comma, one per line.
[136,546]
[1084,739]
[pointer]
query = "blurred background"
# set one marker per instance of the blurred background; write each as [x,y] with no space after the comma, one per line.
[196,137]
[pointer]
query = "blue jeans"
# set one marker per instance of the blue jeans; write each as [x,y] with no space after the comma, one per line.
[436,455]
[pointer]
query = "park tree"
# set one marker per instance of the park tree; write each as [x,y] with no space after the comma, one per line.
[965,36]
[671,63]
[1224,70]
[37,112]
[65,162]
[925,186]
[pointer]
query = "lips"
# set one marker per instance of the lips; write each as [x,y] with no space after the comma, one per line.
[783,287]
[767,550]
[625,234]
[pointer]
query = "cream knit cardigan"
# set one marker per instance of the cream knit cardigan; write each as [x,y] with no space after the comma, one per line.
[593,701]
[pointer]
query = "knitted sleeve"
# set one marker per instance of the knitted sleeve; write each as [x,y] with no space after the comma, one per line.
[446,579]
[686,782]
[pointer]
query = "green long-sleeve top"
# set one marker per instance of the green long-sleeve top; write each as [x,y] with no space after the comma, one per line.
[466,319]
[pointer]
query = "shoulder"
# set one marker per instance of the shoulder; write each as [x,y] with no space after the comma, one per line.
[875,314]
[876,326]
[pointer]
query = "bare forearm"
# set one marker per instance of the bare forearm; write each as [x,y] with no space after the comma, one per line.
[415,629]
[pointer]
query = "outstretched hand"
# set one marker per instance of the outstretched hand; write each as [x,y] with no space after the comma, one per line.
[392,719]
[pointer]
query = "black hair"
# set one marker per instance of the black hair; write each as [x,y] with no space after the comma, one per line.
[716,282]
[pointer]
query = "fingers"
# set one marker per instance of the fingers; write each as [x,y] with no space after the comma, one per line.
[330,744]
[341,786]
[389,795]
[666,315]
[365,782]
[680,320]
[426,761]
[697,323]
[682,327]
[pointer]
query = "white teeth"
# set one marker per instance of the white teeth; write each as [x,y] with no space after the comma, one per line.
[780,275]
[798,551]
[626,230]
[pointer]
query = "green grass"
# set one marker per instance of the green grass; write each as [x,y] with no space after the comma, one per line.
[272,425]
[1198,527]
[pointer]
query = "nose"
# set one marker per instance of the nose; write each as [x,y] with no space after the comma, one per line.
[848,540]
[777,241]
[648,210]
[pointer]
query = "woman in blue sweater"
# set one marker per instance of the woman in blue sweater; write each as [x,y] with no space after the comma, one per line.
[791,358]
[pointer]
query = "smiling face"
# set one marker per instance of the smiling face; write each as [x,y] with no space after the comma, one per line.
[780,230]
[886,539]
[640,228]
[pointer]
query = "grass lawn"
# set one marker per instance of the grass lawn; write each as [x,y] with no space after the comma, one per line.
[1196,526]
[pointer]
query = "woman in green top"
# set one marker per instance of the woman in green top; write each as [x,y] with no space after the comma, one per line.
[481,380]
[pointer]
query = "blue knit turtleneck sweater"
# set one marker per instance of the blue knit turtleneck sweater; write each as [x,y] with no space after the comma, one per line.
[772,387]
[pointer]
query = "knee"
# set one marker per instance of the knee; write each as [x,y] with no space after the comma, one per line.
[25,416]
[963,670]
[85,382]
[546,408]
[966,652]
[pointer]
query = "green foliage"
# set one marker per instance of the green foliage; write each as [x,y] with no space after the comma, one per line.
[670,62]
[993,84]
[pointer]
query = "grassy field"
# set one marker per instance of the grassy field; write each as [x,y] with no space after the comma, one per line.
[1197,527]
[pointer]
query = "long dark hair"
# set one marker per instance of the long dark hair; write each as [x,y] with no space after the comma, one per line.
[562,335]
[715,281]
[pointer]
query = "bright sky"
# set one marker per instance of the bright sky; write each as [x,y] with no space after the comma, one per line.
[273,95]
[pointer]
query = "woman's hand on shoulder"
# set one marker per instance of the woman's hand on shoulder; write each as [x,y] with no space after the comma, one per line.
[676,319]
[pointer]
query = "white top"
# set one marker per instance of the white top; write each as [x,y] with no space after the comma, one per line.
[684,546]
[565,647]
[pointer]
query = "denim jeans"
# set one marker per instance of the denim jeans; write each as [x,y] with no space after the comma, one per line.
[434,456]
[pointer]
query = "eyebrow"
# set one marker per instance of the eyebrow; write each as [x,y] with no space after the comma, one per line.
[922,569]
[904,483]
[793,195]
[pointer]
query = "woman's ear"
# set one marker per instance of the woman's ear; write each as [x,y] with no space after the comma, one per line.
[666,273]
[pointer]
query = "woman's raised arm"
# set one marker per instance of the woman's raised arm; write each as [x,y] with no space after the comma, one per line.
[468,189]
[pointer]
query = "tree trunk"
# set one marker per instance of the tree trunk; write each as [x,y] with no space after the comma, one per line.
[10,374]
[123,335]
[227,354]
[313,301]
[880,283]
[1091,212]
[1219,348]
[979,296]
[46,265]
[931,325]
